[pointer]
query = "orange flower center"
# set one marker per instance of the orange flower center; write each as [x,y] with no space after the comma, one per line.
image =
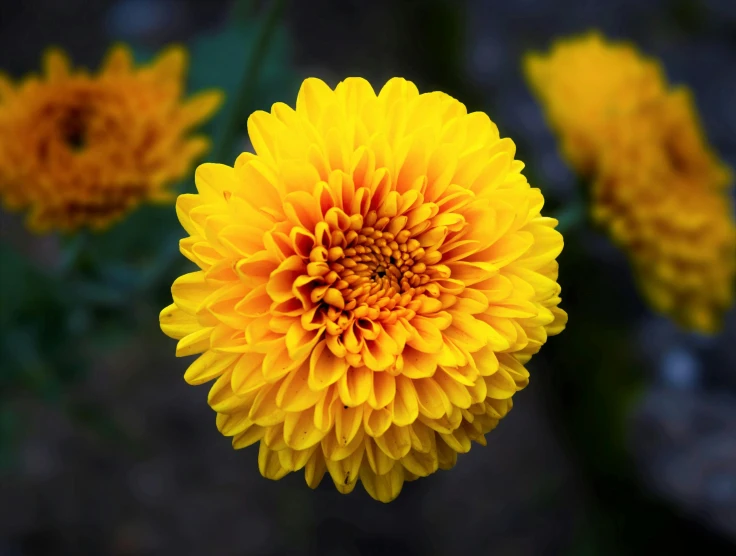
[366,273]
[73,127]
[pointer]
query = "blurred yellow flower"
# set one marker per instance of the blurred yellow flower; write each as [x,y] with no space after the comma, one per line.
[82,150]
[669,207]
[585,85]
[657,187]
[371,284]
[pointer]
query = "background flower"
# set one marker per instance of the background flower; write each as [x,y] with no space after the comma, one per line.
[372,282]
[81,150]
[669,207]
[658,188]
[586,85]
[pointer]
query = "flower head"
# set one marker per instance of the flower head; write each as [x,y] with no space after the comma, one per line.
[372,282]
[657,187]
[586,84]
[670,209]
[82,150]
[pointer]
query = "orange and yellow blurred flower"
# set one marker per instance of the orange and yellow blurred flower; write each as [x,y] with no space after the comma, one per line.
[371,284]
[669,207]
[82,150]
[657,187]
[586,85]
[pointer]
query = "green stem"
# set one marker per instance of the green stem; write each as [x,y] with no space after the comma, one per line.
[73,249]
[247,86]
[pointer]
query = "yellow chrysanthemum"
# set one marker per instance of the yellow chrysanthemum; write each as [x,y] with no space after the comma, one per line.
[81,150]
[585,84]
[668,206]
[371,284]
[658,188]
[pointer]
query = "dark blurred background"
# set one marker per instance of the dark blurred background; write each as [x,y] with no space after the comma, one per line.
[624,443]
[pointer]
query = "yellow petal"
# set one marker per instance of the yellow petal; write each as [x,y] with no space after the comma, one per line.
[274,437]
[315,469]
[300,432]
[421,464]
[380,463]
[264,410]
[432,401]
[345,472]
[347,423]
[312,99]
[170,64]
[190,290]
[209,366]
[278,362]
[56,64]
[233,424]
[324,410]
[500,385]
[221,397]
[383,391]
[201,106]
[196,342]
[428,338]
[295,395]
[383,488]
[294,460]
[247,375]
[377,421]
[457,393]
[269,464]
[324,367]
[355,386]
[176,323]
[446,456]
[405,408]
[119,61]
[457,440]
[422,438]
[250,436]
[395,442]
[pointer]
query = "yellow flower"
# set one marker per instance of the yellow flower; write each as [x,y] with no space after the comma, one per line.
[669,207]
[82,150]
[371,284]
[585,85]
[657,187]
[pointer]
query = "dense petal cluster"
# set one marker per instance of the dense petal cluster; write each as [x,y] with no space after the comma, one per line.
[82,150]
[657,187]
[586,84]
[372,282]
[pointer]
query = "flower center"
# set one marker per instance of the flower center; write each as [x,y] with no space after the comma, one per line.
[374,271]
[73,128]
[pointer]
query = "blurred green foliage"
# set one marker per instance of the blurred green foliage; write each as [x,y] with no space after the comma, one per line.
[54,320]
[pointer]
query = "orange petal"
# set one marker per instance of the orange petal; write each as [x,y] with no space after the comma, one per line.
[355,386]
[295,395]
[324,367]
[384,390]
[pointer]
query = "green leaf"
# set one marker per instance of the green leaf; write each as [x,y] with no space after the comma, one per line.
[219,60]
